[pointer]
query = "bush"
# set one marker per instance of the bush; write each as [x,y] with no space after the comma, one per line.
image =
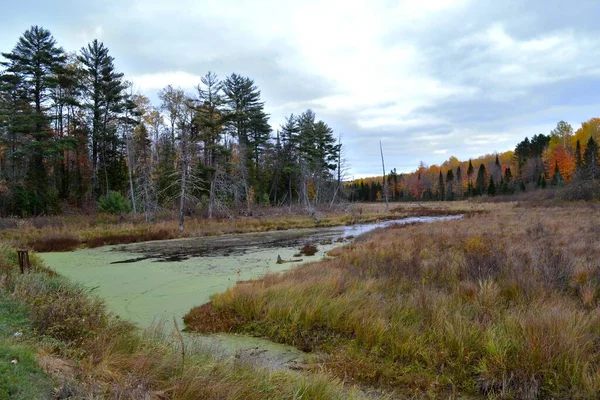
[581,190]
[60,309]
[114,203]
[57,242]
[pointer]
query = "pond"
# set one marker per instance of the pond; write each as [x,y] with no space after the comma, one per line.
[145,282]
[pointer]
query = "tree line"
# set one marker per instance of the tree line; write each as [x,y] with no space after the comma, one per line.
[560,158]
[73,132]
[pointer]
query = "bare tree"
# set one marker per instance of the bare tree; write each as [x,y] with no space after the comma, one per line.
[188,137]
[385,186]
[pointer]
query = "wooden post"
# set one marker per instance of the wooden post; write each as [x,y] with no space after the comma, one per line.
[23,260]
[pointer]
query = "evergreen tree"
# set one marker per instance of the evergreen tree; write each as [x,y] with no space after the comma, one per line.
[34,65]
[507,184]
[543,182]
[105,100]
[557,177]
[470,172]
[247,121]
[290,155]
[590,160]
[507,175]
[450,184]
[459,182]
[521,154]
[210,116]
[393,183]
[523,187]
[497,169]
[441,187]
[481,186]
[491,190]
[578,160]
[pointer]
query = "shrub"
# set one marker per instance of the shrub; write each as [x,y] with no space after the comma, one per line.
[60,309]
[64,242]
[114,203]
[309,250]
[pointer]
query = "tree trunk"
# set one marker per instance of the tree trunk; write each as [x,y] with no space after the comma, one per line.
[184,167]
[385,191]
[129,168]
[211,197]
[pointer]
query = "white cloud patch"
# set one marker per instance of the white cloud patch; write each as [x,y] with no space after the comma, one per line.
[433,77]
[159,80]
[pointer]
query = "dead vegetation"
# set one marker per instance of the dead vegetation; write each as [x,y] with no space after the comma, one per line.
[92,354]
[68,232]
[503,304]
[309,250]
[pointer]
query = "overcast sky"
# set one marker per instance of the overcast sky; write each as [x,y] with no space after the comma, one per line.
[430,78]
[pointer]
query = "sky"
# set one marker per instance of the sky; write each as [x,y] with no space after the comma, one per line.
[429,78]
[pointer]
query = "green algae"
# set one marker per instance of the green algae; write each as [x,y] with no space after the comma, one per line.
[150,282]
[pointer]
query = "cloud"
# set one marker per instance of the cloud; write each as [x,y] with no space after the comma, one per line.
[157,81]
[430,78]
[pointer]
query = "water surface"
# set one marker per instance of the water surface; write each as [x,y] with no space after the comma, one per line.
[143,282]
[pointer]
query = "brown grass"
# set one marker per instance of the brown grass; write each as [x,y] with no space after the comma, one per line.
[67,232]
[122,238]
[503,304]
[65,242]
[95,355]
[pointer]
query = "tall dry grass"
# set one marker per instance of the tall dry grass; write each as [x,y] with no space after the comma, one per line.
[110,358]
[68,232]
[503,305]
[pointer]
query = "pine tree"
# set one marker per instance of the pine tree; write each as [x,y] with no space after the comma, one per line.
[481,187]
[459,182]
[523,187]
[497,169]
[590,160]
[507,175]
[470,172]
[35,63]
[543,182]
[578,160]
[491,190]
[441,187]
[450,184]
[105,101]
[247,121]
[557,177]
[290,154]
[210,116]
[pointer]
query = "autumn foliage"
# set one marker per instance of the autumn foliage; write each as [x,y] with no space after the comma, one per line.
[533,164]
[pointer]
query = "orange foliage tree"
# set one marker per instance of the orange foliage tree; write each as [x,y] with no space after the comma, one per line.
[562,157]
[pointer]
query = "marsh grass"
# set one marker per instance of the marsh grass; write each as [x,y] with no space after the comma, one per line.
[103,357]
[68,232]
[501,304]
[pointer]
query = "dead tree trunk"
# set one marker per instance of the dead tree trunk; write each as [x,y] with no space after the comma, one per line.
[184,168]
[385,188]
[130,170]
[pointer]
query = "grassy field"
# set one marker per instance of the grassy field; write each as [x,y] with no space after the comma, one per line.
[502,304]
[67,232]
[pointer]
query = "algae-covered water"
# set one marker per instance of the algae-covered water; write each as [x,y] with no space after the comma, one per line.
[145,282]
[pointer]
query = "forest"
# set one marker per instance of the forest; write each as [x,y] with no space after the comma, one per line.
[74,134]
[562,158]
